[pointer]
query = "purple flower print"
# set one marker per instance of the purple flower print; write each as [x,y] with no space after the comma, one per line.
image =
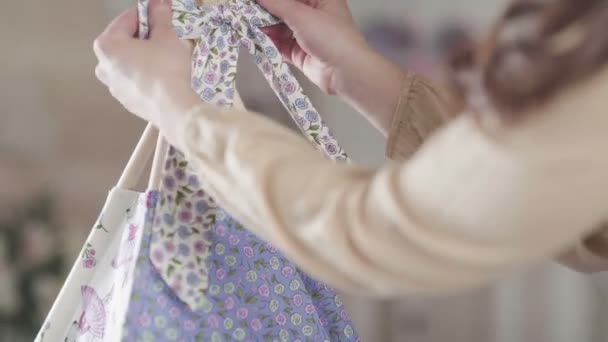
[242,313]
[221,43]
[169,247]
[89,262]
[224,28]
[298,300]
[158,255]
[214,321]
[256,324]
[200,246]
[174,312]
[255,21]
[193,181]
[169,220]
[250,33]
[289,88]
[271,248]
[331,149]
[245,44]
[224,66]
[301,121]
[221,230]
[169,183]
[267,68]
[144,320]
[208,94]
[284,78]
[344,315]
[180,174]
[264,290]
[232,40]
[183,232]
[229,93]
[220,273]
[260,36]
[281,319]
[210,78]
[287,271]
[189,325]
[180,31]
[257,59]
[201,206]
[190,5]
[196,82]
[229,303]
[310,309]
[183,249]
[161,301]
[185,216]
[312,116]
[248,251]
[192,279]
[270,52]
[234,240]
[301,104]
[324,321]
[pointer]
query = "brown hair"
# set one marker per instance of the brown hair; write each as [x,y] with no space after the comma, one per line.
[537,48]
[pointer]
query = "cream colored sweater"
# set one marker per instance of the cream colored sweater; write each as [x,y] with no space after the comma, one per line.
[472,204]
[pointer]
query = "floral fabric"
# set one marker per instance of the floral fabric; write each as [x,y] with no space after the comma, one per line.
[221,30]
[173,266]
[254,292]
[93,301]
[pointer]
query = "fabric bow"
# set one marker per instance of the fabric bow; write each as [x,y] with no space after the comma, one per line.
[220,31]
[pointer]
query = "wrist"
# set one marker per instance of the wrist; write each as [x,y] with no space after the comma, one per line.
[366,67]
[175,107]
[372,85]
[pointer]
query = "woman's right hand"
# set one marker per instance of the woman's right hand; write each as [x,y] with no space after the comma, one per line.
[320,38]
[316,36]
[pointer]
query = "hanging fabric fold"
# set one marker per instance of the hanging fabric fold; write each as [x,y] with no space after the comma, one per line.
[221,31]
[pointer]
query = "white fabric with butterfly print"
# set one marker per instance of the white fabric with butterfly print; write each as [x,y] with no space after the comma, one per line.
[94,300]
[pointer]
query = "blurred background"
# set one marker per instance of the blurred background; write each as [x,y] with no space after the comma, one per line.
[64,141]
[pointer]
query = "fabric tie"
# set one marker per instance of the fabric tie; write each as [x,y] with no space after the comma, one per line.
[220,31]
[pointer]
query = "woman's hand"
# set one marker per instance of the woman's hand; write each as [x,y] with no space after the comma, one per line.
[321,38]
[148,77]
[317,36]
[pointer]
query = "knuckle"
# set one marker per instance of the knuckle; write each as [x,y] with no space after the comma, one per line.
[103,45]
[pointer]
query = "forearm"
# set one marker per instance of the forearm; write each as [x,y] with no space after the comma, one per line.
[439,223]
[371,84]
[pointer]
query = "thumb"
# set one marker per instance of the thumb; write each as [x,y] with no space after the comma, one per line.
[293,12]
[160,14]
[123,26]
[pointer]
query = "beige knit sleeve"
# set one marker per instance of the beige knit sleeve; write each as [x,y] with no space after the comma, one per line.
[422,108]
[467,208]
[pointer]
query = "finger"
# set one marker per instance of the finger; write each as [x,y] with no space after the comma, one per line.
[282,37]
[123,26]
[160,16]
[101,75]
[292,12]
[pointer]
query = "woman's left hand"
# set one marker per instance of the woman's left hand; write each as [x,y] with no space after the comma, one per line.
[150,78]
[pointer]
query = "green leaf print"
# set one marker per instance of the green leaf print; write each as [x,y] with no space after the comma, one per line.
[170,270]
